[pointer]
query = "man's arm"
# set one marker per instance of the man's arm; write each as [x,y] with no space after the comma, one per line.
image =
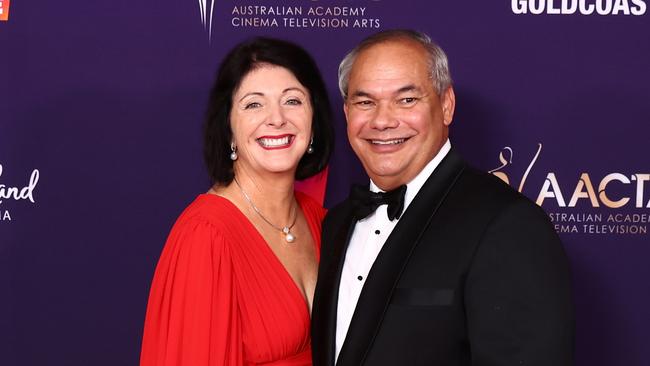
[517,293]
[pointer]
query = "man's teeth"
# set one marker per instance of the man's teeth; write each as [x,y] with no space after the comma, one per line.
[387,142]
[269,142]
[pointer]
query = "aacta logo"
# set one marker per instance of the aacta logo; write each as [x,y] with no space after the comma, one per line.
[584,187]
[4,10]
[585,190]
[206,7]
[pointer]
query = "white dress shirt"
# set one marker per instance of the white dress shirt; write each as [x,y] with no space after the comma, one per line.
[366,242]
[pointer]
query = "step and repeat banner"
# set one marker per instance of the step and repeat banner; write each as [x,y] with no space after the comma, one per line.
[101,105]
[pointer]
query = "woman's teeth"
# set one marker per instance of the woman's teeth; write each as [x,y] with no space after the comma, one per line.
[273,142]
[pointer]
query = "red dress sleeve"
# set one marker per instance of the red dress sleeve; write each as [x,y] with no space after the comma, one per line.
[192,315]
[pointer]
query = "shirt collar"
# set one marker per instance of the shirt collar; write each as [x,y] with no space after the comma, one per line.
[413,187]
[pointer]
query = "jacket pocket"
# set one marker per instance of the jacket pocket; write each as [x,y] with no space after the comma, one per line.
[422,297]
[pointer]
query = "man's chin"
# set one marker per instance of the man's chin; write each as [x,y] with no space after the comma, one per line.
[387,178]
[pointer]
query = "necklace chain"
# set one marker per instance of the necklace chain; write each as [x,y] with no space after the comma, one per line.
[286,230]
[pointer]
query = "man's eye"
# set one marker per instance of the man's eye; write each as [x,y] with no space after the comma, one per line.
[409,100]
[252,105]
[364,103]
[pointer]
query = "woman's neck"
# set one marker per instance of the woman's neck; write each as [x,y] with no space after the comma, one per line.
[272,195]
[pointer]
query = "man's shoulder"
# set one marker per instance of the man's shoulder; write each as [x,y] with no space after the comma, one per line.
[487,193]
[486,186]
[338,212]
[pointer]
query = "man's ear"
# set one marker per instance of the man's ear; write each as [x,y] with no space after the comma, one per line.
[448,105]
[345,110]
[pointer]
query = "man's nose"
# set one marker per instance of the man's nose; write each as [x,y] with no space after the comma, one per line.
[384,118]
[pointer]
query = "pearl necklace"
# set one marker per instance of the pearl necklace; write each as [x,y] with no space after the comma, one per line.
[286,230]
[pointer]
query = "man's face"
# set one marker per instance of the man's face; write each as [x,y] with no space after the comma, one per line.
[396,120]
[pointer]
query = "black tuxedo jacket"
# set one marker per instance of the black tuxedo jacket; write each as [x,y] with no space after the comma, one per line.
[473,274]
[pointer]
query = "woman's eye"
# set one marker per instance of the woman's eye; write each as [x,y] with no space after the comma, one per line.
[252,105]
[294,101]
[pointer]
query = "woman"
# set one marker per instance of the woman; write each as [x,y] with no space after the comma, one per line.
[235,281]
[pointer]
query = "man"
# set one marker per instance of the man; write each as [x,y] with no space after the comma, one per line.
[469,272]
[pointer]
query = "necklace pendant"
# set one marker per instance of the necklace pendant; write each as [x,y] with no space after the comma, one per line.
[288,236]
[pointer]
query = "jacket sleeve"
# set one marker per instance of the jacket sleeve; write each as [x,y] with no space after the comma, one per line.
[518,297]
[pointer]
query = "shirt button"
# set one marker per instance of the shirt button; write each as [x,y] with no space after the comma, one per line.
[360,278]
[377,232]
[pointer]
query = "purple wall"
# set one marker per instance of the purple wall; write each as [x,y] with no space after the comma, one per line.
[105,100]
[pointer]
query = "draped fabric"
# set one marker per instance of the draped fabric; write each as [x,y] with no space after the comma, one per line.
[220,296]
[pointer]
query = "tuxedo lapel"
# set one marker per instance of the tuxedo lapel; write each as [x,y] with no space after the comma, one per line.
[327,290]
[392,259]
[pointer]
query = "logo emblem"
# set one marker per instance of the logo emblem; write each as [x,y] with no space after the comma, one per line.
[4,10]
[206,7]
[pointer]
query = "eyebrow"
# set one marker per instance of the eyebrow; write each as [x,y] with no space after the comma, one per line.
[404,89]
[360,93]
[407,88]
[250,94]
[294,88]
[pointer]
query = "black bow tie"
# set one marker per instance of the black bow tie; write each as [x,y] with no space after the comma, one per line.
[366,202]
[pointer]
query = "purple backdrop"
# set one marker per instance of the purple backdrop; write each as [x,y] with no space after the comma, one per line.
[105,100]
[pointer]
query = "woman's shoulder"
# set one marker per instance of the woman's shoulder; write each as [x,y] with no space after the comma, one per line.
[210,222]
[213,211]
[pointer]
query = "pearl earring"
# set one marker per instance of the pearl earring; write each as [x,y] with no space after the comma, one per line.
[233,154]
[310,149]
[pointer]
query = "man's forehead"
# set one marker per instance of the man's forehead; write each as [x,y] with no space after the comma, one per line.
[391,60]
[389,75]
[398,47]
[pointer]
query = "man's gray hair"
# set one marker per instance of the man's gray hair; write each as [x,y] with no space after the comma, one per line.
[438,64]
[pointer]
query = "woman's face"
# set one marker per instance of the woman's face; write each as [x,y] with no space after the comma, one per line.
[271,121]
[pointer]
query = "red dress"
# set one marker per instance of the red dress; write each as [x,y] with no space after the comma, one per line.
[220,296]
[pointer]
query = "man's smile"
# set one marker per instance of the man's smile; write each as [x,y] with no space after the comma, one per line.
[388,142]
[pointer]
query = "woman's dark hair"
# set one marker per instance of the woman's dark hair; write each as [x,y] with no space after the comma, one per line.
[244,58]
